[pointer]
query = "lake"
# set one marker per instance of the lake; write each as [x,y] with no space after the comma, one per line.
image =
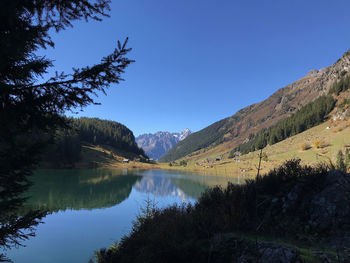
[93,208]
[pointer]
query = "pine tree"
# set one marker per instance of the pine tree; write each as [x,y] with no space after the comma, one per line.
[340,161]
[347,158]
[31,111]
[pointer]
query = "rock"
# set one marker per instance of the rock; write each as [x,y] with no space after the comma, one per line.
[272,253]
[330,208]
[292,197]
[156,145]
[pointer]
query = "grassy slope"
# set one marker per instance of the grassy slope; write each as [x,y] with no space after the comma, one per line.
[99,156]
[334,140]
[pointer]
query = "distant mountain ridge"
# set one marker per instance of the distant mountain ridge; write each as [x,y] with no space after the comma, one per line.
[226,134]
[157,144]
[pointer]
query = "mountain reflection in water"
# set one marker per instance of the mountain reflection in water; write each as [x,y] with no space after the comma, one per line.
[58,190]
[169,186]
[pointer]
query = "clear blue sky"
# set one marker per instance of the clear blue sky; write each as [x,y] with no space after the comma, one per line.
[198,61]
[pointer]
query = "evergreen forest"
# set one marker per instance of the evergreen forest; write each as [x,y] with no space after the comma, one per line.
[89,131]
[305,118]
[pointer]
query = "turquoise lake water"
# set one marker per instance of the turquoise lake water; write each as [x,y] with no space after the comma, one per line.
[93,208]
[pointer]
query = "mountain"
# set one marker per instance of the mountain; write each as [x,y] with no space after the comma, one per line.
[184,134]
[228,133]
[156,145]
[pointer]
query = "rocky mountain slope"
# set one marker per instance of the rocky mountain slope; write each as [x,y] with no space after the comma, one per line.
[156,145]
[230,132]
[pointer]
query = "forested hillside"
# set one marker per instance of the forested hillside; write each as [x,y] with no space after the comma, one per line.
[90,131]
[307,117]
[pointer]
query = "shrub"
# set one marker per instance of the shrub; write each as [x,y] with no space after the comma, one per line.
[304,146]
[264,157]
[344,103]
[147,213]
[183,163]
[340,161]
[347,158]
[318,143]
[337,129]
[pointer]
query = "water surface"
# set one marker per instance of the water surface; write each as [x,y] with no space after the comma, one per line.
[93,208]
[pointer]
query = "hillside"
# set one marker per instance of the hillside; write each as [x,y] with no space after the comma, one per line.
[315,133]
[318,144]
[92,142]
[156,145]
[226,134]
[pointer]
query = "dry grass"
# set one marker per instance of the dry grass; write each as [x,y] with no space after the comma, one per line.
[328,142]
[102,157]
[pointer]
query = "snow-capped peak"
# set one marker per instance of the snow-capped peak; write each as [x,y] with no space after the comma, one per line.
[184,134]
